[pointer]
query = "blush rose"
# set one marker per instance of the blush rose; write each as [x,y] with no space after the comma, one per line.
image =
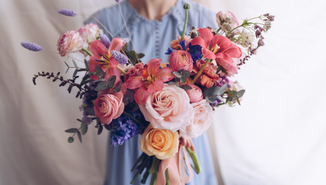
[108,107]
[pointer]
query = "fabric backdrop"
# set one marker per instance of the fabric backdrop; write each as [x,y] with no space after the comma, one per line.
[276,137]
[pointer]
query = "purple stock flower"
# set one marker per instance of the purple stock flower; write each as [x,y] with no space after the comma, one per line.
[31,46]
[119,57]
[106,41]
[67,12]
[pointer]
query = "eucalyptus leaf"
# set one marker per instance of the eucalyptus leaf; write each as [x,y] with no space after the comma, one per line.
[176,74]
[79,136]
[100,129]
[211,99]
[133,55]
[174,83]
[73,61]
[185,87]
[125,47]
[141,55]
[99,72]
[101,86]
[99,80]
[75,72]
[238,101]
[70,140]
[241,93]
[111,81]
[86,64]
[71,130]
[118,87]
[83,128]
[230,95]
[184,73]
[222,89]
[79,120]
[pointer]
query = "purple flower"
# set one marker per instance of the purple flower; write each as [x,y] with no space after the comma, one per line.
[117,1]
[261,42]
[195,52]
[31,46]
[67,12]
[119,57]
[124,128]
[169,51]
[106,41]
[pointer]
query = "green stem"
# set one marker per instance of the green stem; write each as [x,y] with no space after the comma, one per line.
[140,169]
[134,118]
[194,158]
[201,71]
[218,69]
[88,52]
[186,20]
[167,177]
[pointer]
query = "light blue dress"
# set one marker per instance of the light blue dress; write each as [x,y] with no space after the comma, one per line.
[153,38]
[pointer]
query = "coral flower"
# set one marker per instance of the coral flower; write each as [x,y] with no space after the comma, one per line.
[103,58]
[152,80]
[219,48]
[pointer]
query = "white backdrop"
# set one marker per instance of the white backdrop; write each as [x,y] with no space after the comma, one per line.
[277,136]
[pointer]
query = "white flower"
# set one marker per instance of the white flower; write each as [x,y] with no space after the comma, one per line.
[246,38]
[89,33]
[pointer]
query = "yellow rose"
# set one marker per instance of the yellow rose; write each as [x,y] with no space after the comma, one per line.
[163,144]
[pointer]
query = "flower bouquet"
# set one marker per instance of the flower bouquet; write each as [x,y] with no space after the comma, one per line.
[166,102]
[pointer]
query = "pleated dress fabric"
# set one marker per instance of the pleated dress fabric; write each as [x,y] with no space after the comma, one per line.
[153,37]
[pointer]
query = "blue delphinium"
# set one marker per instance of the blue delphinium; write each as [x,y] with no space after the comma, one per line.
[124,128]
[195,52]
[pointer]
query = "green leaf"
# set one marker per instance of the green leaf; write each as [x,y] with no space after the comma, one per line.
[99,72]
[133,55]
[70,140]
[185,87]
[174,83]
[125,47]
[86,64]
[216,90]
[71,130]
[241,93]
[141,55]
[79,120]
[111,81]
[79,136]
[83,128]
[211,99]
[99,80]
[177,74]
[238,101]
[184,73]
[118,87]
[230,95]
[73,61]
[100,129]
[101,86]
[75,72]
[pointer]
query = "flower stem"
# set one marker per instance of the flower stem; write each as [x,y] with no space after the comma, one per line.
[88,52]
[201,71]
[186,7]
[121,70]
[167,177]
[126,113]
[194,158]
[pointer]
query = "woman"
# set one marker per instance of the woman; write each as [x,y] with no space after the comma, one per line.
[153,24]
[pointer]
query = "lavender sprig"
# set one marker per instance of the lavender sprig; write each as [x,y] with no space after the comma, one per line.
[105,40]
[31,46]
[67,12]
[119,57]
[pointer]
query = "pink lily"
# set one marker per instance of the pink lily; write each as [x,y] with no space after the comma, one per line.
[151,81]
[103,58]
[217,47]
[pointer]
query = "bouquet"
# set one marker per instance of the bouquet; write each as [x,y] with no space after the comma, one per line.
[166,102]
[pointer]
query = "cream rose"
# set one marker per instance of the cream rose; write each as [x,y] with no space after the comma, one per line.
[202,120]
[168,109]
[163,144]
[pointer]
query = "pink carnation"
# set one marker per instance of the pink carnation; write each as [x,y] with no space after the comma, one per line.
[108,107]
[202,120]
[168,109]
[69,42]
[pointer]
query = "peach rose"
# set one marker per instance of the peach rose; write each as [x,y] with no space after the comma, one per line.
[179,60]
[163,144]
[108,107]
[195,93]
[168,109]
[202,120]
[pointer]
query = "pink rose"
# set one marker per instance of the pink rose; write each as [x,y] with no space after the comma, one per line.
[179,60]
[168,109]
[202,120]
[89,33]
[69,42]
[108,107]
[195,93]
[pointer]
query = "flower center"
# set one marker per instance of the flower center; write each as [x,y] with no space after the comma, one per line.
[106,60]
[215,48]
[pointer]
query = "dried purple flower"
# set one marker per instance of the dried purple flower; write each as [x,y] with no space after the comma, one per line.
[271,18]
[31,46]
[261,42]
[117,1]
[266,14]
[67,12]
[258,33]
[106,41]
[119,57]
